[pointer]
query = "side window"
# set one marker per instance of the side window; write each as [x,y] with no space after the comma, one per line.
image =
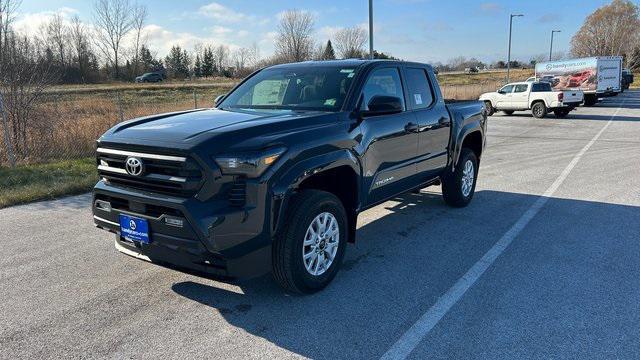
[520,88]
[507,89]
[384,82]
[420,94]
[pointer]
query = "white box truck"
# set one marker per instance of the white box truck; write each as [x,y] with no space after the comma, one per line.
[596,76]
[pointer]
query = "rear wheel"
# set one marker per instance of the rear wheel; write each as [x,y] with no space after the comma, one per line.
[539,110]
[308,250]
[508,112]
[459,186]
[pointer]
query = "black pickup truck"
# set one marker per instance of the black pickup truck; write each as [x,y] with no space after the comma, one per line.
[274,177]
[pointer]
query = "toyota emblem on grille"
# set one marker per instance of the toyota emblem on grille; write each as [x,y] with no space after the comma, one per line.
[134,166]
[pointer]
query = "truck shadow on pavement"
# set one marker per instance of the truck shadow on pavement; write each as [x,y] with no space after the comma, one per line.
[411,250]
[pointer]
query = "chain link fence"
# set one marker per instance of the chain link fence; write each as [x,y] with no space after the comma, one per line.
[65,125]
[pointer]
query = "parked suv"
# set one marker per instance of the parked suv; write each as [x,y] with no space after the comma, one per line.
[150,77]
[275,176]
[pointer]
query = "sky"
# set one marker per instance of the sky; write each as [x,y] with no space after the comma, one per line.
[417,30]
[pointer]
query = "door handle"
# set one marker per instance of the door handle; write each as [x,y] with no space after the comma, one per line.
[411,127]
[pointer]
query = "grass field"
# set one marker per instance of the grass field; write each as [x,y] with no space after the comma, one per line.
[29,183]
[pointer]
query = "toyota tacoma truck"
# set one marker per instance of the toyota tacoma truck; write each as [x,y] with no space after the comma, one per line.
[275,175]
[538,97]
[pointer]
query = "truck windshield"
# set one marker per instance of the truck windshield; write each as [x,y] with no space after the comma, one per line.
[295,88]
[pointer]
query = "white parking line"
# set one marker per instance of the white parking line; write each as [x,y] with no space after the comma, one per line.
[412,337]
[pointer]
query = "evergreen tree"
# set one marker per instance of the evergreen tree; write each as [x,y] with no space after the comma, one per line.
[328,53]
[148,62]
[177,63]
[208,63]
[197,67]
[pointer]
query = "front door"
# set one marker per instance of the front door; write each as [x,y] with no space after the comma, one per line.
[520,97]
[503,98]
[390,141]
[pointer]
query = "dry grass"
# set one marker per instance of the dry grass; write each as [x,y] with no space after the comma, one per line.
[65,126]
[72,117]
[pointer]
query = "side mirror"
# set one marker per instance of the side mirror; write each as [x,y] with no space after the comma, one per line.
[500,92]
[383,105]
[217,100]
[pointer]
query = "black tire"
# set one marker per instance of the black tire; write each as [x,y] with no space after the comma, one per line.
[508,112]
[288,266]
[539,110]
[590,100]
[561,113]
[452,183]
[488,108]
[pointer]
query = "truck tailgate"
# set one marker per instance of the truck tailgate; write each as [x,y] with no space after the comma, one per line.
[572,96]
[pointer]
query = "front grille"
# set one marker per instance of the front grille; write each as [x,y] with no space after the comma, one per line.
[166,174]
[238,193]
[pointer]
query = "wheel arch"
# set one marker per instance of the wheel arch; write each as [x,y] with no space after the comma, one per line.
[337,172]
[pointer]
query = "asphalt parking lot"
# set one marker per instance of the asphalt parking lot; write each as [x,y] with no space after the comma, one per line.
[543,264]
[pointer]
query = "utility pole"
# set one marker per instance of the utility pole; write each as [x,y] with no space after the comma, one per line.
[509,52]
[551,47]
[370,29]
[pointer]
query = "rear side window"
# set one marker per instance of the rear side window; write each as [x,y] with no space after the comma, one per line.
[520,88]
[541,87]
[420,94]
[384,82]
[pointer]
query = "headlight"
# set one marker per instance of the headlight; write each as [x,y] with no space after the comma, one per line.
[248,164]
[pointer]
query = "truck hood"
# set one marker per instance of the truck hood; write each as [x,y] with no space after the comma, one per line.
[194,126]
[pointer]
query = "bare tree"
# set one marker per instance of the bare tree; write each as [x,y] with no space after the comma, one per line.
[350,42]
[8,10]
[240,58]
[294,41]
[26,76]
[221,56]
[139,20]
[113,20]
[56,34]
[613,29]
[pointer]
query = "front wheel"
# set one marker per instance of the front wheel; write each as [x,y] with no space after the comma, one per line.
[308,250]
[459,186]
[539,110]
[488,108]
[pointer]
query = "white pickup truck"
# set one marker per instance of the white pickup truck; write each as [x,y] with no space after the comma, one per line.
[538,97]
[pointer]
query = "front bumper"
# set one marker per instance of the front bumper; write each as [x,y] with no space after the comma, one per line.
[214,238]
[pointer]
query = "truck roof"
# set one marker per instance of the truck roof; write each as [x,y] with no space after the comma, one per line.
[347,62]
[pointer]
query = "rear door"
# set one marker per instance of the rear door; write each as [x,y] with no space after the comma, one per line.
[391,141]
[434,121]
[520,96]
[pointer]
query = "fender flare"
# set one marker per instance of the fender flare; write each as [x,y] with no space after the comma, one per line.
[287,184]
[466,130]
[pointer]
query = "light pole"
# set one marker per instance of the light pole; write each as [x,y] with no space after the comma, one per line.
[551,47]
[509,52]
[370,29]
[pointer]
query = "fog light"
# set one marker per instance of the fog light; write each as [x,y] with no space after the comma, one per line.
[173,222]
[103,205]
